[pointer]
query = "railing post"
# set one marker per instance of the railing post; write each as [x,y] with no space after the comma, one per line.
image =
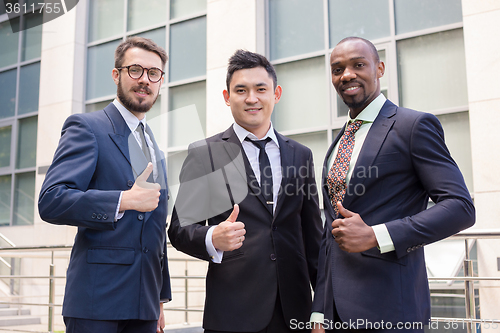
[51,295]
[470,303]
[186,294]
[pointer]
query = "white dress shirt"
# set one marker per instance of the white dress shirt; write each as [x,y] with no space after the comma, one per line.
[132,123]
[252,153]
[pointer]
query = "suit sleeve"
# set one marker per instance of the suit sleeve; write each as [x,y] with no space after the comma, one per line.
[65,197]
[311,222]
[186,232]
[442,180]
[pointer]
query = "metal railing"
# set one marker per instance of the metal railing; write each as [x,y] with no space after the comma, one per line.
[468,279]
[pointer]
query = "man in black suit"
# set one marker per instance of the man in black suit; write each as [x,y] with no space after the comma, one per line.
[261,268]
[372,274]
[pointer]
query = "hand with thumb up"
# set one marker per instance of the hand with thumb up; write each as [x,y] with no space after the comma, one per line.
[230,234]
[143,196]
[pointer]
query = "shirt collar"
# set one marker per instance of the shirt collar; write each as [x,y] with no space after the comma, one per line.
[242,133]
[371,112]
[130,119]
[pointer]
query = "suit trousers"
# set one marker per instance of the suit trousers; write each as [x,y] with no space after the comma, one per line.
[277,324]
[346,329]
[79,325]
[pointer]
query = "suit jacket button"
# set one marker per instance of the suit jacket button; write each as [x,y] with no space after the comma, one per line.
[94,215]
[99,216]
[130,183]
[140,217]
[274,228]
[105,217]
[145,250]
[408,250]
[272,256]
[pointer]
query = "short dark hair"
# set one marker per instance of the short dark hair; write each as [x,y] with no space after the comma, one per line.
[367,42]
[142,43]
[242,59]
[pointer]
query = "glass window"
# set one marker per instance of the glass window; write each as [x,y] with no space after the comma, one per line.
[187,114]
[157,35]
[26,145]
[29,83]
[295,27]
[146,13]
[8,93]
[5,142]
[180,8]
[9,42]
[432,71]
[457,135]
[318,143]
[105,19]
[363,18]
[303,102]
[422,14]
[5,199]
[24,199]
[32,39]
[100,62]
[96,106]
[188,60]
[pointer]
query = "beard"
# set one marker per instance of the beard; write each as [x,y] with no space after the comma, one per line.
[132,105]
[356,104]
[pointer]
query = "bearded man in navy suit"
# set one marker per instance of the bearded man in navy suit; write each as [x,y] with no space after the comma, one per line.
[108,178]
[371,271]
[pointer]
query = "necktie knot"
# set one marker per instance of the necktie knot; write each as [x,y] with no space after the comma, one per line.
[353,127]
[261,144]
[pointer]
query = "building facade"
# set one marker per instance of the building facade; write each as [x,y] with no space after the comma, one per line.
[441,57]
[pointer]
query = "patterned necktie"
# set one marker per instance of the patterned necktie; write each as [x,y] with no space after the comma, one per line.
[266,174]
[336,179]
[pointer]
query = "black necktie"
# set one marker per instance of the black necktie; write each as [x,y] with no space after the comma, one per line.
[145,148]
[266,173]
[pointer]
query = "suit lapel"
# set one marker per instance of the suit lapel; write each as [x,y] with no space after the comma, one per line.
[371,146]
[121,130]
[159,158]
[287,153]
[326,170]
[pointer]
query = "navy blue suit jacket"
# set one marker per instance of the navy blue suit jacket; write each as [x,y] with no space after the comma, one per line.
[403,162]
[280,251]
[118,270]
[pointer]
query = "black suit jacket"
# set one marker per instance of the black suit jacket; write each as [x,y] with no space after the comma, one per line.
[403,162]
[279,252]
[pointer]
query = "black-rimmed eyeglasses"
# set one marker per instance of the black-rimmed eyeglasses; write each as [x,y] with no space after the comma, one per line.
[136,71]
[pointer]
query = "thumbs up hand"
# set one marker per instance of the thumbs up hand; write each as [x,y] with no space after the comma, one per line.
[143,196]
[229,235]
[351,233]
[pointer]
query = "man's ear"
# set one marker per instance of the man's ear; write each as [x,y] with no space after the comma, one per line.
[380,69]
[277,94]
[115,74]
[225,93]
